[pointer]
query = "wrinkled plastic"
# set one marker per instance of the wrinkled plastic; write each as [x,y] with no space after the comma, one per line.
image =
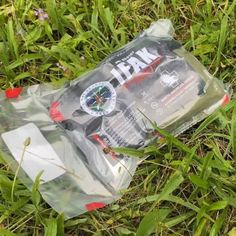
[153,77]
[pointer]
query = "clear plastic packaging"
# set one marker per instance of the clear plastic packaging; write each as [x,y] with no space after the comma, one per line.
[72,129]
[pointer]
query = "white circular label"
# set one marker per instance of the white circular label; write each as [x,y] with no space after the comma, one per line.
[99,99]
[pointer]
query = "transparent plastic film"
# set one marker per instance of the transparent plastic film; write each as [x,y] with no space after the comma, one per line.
[72,129]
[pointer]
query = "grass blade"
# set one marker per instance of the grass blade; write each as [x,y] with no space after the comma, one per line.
[222,39]
[151,221]
[233,132]
[12,39]
[50,227]
[218,223]
[178,219]
[199,182]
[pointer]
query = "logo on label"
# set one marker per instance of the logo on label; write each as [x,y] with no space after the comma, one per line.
[126,67]
[169,79]
[99,99]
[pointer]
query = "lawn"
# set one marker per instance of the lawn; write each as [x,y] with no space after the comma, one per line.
[188,187]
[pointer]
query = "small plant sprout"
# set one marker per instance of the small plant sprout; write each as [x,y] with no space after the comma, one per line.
[26,143]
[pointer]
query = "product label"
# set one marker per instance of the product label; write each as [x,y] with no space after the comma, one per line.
[143,82]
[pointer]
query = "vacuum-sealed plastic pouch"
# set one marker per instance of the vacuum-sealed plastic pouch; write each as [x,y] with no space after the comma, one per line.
[72,129]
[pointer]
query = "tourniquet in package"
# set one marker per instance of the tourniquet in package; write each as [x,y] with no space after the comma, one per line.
[72,129]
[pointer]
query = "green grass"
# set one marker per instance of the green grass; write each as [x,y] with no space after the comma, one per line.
[187,187]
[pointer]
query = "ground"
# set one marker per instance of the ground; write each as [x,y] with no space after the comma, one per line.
[189,186]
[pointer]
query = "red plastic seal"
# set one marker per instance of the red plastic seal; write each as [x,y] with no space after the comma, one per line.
[226,100]
[55,114]
[13,92]
[94,205]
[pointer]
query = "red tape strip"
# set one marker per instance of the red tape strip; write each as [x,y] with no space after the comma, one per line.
[94,205]
[13,92]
